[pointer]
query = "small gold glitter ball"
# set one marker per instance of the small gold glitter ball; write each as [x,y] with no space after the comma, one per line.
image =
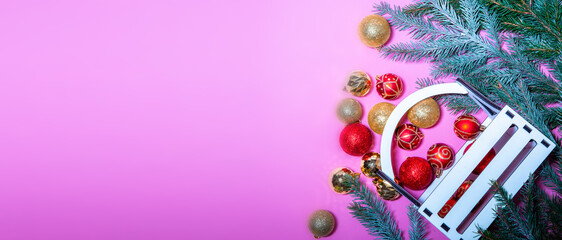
[424,114]
[349,111]
[374,31]
[358,83]
[378,116]
[385,190]
[370,162]
[321,223]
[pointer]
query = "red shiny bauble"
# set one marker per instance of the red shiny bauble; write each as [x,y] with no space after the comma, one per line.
[415,173]
[356,139]
[484,162]
[408,136]
[467,127]
[462,189]
[441,157]
[447,207]
[389,86]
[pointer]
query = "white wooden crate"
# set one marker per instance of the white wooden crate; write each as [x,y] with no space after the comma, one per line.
[521,148]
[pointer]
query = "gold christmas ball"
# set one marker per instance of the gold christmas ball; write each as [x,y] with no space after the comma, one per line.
[374,31]
[424,114]
[370,162]
[321,223]
[385,190]
[378,116]
[358,83]
[338,180]
[349,111]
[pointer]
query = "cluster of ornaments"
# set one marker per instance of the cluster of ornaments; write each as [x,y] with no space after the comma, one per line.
[356,139]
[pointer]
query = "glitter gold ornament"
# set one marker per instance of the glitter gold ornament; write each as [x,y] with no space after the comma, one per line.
[385,190]
[374,31]
[408,136]
[370,162]
[321,223]
[389,86]
[441,157]
[338,180]
[378,116]
[358,83]
[467,127]
[349,111]
[424,114]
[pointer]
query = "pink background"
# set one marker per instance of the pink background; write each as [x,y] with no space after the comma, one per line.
[182,119]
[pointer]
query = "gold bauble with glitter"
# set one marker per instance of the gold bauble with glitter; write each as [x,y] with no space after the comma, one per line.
[358,83]
[385,190]
[424,114]
[374,31]
[378,116]
[370,163]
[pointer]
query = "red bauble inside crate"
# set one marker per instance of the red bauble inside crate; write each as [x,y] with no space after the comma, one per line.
[415,173]
[408,136]
[441,157]
[484,162]
[467,127]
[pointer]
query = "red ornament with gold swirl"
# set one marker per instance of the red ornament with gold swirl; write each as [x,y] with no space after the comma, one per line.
[441,157]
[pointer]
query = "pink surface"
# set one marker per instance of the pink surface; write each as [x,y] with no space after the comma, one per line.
[182,119]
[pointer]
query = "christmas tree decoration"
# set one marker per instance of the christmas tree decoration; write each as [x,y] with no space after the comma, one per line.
[484,162]
[511,67]
[385,190]
[424,114]
[358,83]
[389,86]
[467,127]
[338,179]
[378,116]
[462,189]
[356,139]
[374,31]
[447,207]
[408,136]
[440,157]
[415,173]
[349,111]
[370,162]
[321,223]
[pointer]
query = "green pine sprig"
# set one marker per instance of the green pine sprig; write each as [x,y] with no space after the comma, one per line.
[371,212]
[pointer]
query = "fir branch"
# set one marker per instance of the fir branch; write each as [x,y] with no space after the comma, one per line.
[509,213]
[417,225]
[371,212]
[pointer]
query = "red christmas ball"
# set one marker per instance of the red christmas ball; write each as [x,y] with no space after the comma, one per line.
[462,189]
[467,127]
[415,173]
[408,136]
[484,162]
[356,139]
[447,207]
[389,86]
[441,157]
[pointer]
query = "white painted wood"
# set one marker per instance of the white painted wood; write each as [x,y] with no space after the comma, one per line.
[443,188]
